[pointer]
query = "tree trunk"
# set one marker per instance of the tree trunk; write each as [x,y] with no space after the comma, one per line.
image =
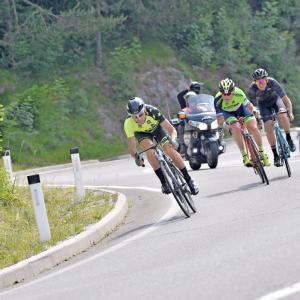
[11,10]
[98,58]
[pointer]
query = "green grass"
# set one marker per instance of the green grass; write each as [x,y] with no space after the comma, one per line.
[158,53]
[67,216]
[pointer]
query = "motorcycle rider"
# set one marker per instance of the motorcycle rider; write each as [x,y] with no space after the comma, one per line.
[194,88]
[142,124]
[232,103]
[271,96]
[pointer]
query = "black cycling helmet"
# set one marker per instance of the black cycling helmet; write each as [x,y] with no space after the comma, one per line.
[195,87]
[135,105]
[226,86]
[259,74]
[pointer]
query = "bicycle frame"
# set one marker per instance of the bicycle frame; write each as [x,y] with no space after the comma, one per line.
[281,144]
[174,180]
[252,151]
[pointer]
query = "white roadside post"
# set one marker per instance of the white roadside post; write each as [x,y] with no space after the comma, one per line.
[77,172]
[39,207]
[7,164]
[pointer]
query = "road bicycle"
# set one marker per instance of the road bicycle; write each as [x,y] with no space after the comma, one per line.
[174,180]
[282,145]
[253,153]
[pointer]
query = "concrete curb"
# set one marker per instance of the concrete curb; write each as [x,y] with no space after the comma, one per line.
[29,268]
[55,167]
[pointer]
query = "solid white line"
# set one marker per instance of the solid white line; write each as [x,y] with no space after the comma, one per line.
[282,293]
[172,211]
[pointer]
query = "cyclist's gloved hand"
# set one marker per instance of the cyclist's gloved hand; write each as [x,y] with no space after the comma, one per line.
[291,116]
[139,160]
[256,112]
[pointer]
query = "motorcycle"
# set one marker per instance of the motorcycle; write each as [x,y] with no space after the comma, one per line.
[201,139]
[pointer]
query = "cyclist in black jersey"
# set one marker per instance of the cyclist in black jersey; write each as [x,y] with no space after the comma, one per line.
[142,124]
[268,94]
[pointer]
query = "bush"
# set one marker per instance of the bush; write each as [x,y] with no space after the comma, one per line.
[1,120]
[7,195]
[120,67]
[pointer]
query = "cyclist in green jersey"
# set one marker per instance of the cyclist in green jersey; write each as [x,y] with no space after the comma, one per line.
[144,122]
[232,103]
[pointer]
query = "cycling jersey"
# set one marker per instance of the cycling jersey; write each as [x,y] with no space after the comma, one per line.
[238,98]
[267,97]
[152,121]
[234,107]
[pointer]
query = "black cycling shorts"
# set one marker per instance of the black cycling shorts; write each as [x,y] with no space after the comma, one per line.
[159,133]
[267,109]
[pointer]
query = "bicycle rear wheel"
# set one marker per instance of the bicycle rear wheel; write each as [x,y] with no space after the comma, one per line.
[283,153]
[175,186]
[184,187]
[256,161]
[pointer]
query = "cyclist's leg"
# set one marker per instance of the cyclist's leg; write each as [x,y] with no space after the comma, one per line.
[284,122]
[162,135]
[180,132]
[266,112]
[231,119]
[251,124]
[145,141]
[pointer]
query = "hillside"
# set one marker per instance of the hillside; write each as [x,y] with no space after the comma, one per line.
[46,118]
[67,68]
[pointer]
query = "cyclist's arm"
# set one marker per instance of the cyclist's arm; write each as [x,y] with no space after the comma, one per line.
[288,103]
[132,146]
[219,114]
[251,107]
[181,100]
[282,94]
[220,119]
[169,128]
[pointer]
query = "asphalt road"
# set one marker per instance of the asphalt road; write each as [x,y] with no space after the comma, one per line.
[243,243]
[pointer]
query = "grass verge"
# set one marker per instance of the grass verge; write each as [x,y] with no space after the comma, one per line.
[67,216]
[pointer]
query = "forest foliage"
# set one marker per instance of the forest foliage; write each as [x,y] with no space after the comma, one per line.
[41,41]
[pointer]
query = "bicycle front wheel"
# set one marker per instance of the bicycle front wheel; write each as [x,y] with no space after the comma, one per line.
[175,186]
[184,187]
[283,153]
[256,161]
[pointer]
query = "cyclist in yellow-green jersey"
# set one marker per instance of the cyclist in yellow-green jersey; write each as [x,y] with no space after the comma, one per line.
[232,103]
[144,122]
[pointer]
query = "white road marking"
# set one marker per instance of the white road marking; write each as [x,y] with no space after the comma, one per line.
[172,211]
[282,293]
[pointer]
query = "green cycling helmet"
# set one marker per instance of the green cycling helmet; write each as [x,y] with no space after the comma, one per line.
[226,86]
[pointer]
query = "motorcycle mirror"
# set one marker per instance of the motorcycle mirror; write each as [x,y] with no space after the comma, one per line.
[181,115]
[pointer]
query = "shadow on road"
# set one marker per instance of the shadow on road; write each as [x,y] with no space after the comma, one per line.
[245,187]
[176,218]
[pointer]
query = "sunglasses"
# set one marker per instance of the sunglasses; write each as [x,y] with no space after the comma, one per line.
[226,94]
[261,80]
[139,115]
